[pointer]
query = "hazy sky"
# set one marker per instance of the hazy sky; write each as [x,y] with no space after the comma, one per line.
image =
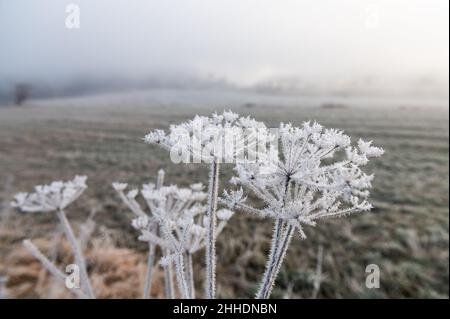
[245,41]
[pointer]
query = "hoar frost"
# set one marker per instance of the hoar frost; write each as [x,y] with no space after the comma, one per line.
[318,174]
[300,175]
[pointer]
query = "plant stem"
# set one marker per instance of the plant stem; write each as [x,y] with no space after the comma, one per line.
[79,259]
[280,241]
[149,274]
[181,278]
[190,275]
[168,271]
[50,266]
[210,289]
[283,247]
[270,264]
[168,279]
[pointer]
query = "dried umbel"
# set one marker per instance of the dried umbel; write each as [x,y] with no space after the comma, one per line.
[316,175]
[212,140]
[180,217]
[221,138]
[47,198]
[192,224]
[55,197]
[129,199]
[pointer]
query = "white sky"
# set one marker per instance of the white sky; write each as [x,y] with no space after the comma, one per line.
[242,40]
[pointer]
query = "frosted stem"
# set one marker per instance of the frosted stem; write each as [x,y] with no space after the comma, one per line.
[149,273]
[283,247]
[168,279]
[181,278]
[210,288]
[271,261]
[79,259]
[168,272]
[280,241]
[48,265]
[190,275]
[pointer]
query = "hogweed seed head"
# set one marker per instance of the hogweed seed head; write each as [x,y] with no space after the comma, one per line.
[317,174]
[52,197]
[223,138]
[177,210]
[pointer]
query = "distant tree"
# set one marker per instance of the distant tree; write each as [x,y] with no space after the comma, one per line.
[21,93]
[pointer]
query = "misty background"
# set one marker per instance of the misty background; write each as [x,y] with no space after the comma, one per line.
[351,48]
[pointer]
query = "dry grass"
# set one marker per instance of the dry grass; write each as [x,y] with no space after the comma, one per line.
[115,272]
[406,235]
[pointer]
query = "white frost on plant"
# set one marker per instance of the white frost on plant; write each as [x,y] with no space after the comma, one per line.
[318,174]
[307,184]
[47,198]
[178,210]
[55,197]
[175,220]
[220,138]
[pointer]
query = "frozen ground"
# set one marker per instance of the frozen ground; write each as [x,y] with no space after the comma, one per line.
[406,234]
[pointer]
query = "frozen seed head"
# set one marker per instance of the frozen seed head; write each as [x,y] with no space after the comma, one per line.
[317,174]
[180,213]
[51,197]
[221,137]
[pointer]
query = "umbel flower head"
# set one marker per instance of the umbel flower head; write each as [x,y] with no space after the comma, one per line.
[223,137]
[176,208]
[180,213]
[55,196]
[177,223]
[171,200]
[317,175]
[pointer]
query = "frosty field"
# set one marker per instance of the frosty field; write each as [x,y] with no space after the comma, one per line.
[406,235]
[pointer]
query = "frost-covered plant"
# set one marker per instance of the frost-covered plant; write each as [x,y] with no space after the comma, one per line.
[207,139]
[55,197]
[129,199]
[181,216]
[316,175]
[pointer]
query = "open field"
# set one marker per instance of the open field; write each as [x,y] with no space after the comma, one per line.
[406,235]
